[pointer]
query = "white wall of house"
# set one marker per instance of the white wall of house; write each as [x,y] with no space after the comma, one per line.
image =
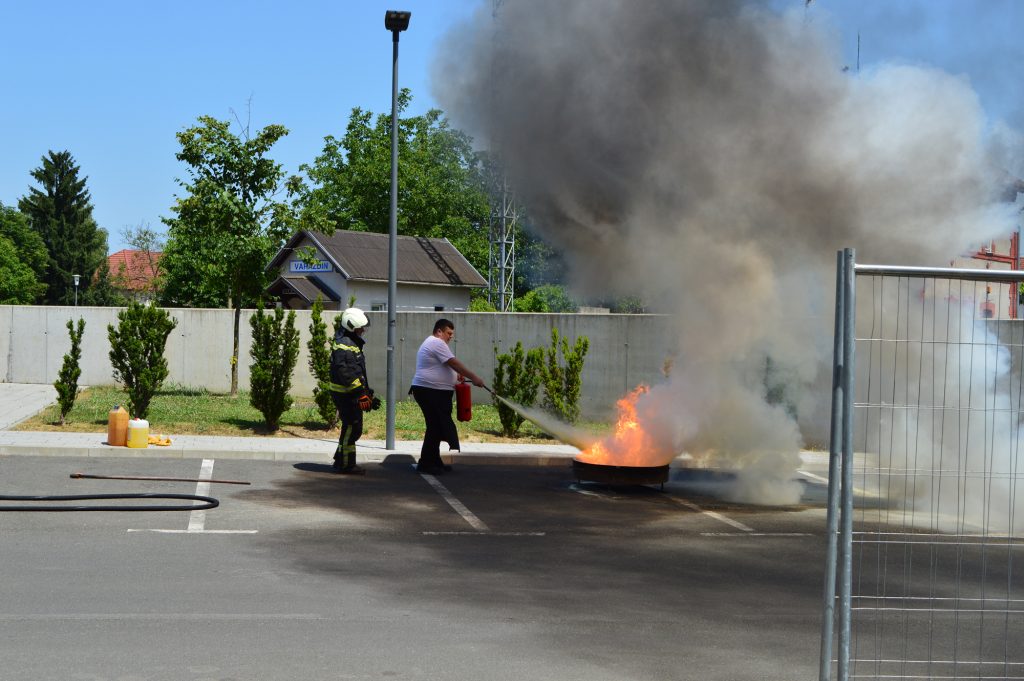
[373,295]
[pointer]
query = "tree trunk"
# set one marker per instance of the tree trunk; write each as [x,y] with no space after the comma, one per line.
[234,353]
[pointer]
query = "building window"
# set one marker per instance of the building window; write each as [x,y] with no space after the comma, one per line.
[378,307]
[439,308]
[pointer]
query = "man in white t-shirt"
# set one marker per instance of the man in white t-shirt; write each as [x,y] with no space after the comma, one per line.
[433,386]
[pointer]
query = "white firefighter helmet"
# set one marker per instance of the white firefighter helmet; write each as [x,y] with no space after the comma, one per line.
[353,318]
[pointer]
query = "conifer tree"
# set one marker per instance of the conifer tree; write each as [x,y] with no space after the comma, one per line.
[320,364]
[70,371]
[60,211]
[137,353]
[275,350]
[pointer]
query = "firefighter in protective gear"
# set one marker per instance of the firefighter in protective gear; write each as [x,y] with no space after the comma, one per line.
[349,388]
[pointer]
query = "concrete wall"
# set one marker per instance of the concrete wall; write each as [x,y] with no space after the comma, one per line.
[624,349]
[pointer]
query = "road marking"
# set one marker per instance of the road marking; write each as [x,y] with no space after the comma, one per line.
[711,514]
[756,534]
[459,507]
[197,519]
[812,476]
[200,531]
[491,534]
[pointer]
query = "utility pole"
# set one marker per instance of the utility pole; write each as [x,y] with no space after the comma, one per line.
[504,217]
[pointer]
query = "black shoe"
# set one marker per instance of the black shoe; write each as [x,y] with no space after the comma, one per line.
[351,470]
[430,470]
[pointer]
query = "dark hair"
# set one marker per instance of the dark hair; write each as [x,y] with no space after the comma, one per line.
[442,324]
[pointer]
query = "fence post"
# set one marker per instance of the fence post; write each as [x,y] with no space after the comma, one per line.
[834,465]
[846,532]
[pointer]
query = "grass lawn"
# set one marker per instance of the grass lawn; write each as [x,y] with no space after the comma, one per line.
[185,411]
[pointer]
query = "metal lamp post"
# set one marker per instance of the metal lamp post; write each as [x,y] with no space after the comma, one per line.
[76,277]
[396,22]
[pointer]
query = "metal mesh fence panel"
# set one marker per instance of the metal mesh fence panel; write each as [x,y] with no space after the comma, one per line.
[936,551]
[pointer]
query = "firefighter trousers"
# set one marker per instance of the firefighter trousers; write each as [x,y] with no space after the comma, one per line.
[351,417]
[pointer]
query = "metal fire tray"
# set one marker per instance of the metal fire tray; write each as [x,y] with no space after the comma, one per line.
[620,475]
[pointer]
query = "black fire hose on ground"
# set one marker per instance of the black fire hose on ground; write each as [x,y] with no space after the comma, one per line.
[210,502]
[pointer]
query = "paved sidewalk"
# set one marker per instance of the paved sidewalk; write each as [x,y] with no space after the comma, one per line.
[20,401]
[30,443]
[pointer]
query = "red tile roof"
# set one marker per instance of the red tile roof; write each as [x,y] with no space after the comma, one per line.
[134,270]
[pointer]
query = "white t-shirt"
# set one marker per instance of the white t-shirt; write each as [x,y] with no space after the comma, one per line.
[431,370]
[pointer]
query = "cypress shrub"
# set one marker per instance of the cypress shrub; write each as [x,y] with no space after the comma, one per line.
[137,353]
[562,377]
[517,376]
[70,371]
[275,350]
[320,365]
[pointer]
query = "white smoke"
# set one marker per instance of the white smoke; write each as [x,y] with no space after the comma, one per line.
[940,409]
[712,157]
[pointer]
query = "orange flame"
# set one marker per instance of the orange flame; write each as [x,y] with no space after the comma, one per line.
[629,445]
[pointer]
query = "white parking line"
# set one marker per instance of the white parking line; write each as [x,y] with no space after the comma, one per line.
[711,514]
[200,531]
[812,476]
[756,534]
[489,534]
[197,518]
[459,507]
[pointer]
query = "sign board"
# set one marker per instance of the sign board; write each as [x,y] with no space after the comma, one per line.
[297,266]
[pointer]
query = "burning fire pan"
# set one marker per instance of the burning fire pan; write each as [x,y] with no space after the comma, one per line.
[620,475]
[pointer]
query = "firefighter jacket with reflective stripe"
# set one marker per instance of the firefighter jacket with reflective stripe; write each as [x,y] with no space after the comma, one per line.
[348,364]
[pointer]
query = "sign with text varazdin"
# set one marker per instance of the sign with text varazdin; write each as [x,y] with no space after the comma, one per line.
[318,266]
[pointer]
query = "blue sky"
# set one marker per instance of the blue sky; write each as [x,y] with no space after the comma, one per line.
[112,81]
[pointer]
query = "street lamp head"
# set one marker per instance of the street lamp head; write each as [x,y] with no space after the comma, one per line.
[77,277]
[396,20]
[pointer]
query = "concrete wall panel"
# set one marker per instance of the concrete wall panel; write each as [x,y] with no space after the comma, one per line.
[624,349]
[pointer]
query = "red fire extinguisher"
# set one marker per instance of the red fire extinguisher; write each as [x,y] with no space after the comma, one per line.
[463,401]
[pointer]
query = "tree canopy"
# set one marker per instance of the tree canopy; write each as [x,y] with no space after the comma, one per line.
[229,223]
[23,259]
[440,193]
[60,212]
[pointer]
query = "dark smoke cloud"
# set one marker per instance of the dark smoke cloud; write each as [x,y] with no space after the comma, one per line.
[711,157]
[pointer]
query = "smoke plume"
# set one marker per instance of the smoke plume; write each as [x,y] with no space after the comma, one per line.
[711,157]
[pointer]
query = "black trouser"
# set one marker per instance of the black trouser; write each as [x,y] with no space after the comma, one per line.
[351,417]
[436,406]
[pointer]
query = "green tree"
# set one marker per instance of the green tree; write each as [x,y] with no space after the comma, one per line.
[18,283]
[628,305]
[479,303]
[562,376]
[517,377]
[439,190]
[60,212]
[275,349]
[137,353]
[102,292]
[229,223]
[320,364]
[23,259]
[70,371]
[546,298]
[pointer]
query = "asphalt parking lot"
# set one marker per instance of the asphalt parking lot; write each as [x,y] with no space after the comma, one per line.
[487,572]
